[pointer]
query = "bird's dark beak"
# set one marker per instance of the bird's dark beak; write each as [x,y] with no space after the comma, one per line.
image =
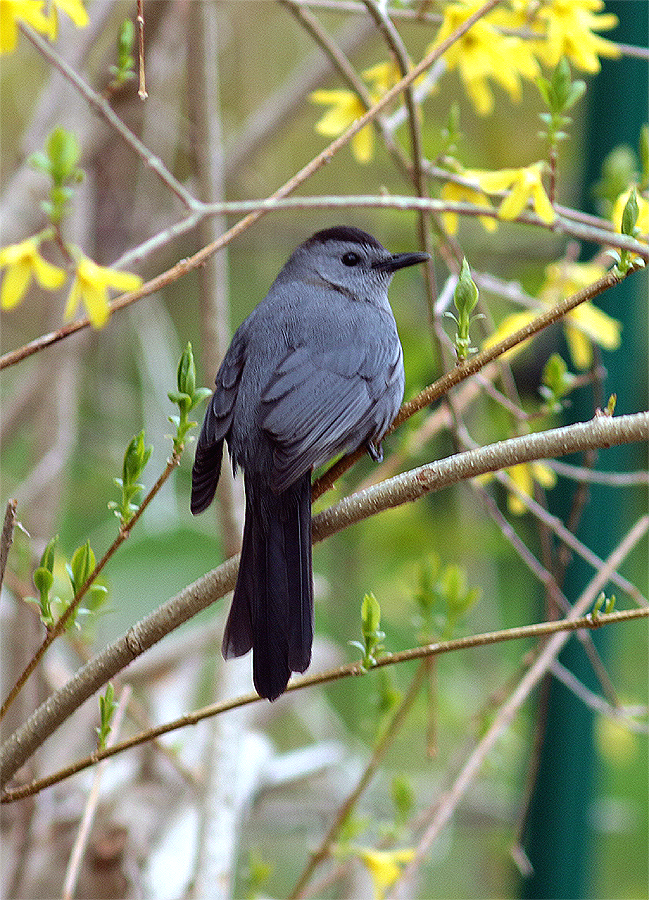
[399,261]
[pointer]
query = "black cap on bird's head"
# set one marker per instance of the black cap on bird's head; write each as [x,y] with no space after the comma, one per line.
[344,254]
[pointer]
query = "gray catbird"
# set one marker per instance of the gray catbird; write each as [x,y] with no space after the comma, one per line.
[315,370]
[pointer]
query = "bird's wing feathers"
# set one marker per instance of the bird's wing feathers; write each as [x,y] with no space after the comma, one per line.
[216,424]
[318,404]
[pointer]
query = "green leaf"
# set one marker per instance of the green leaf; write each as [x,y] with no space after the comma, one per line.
[81,565]
[47,559]
[43,580]
[630,214]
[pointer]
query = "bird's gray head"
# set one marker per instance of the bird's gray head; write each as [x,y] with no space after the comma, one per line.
[350,261]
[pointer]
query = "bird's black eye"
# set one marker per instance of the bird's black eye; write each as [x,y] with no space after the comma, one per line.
[351,258]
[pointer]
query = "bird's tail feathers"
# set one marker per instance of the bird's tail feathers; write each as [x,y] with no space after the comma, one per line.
[272,607]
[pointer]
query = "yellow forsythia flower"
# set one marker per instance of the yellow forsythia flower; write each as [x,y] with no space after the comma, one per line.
[90,286]
[484,52]
[14,12]
[524,475]
[385,867]
[582,326]
[23,262]
[567,28]
[346,107]
[523,184]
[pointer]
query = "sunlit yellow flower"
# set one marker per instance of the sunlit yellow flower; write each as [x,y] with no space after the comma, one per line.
[90,286]
[582,326]
[524,185]
[12,13]
[524,475]
[385,867]
[74,9]
[484,52]
[568,28]
[460,193]
[643,212]
[346,107]
[23,262]
[586,323]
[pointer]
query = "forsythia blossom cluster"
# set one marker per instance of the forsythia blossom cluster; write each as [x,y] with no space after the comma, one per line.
[23,263]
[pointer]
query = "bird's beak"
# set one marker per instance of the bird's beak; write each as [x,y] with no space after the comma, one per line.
[400,261]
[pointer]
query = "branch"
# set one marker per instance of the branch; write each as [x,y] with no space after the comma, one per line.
[444,809]
[559,628]
[60,625]
[599,432]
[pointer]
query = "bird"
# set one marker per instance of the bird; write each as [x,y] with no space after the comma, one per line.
[315,370]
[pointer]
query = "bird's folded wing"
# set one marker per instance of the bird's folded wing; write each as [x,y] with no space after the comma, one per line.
[319,404]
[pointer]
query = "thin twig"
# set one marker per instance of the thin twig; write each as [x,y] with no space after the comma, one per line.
[142,92]
[7,536]
[543,629]
[392,730]
[59,627]
[83,834]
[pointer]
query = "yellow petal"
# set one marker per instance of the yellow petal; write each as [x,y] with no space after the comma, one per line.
[48,275]
[480,95]
[515,202]
[493,182]
[14,284]
[543,474]
[122,281]
[509,325]
[74,298]
[599,326]
[96,303]
[75,10]
[542,206]
[362,144]
[581,351]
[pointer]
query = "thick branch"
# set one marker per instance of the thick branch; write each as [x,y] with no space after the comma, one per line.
[599,432]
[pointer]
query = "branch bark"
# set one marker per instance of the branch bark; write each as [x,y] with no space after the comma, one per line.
[601,431]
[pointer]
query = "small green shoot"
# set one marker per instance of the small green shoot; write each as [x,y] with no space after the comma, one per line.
[372,644]
[124,70]
[626,260]
[559,94]
[79,569]
[557,383]
[136,457]
[603,604]
[443,598]
[465,299]
[107,707]
[59,163]
[403,800]
[43,581]
[186,397]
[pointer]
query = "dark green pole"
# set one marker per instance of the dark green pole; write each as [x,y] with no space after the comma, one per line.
[559,840]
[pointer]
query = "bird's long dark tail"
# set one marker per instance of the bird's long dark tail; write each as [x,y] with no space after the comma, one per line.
[272,608]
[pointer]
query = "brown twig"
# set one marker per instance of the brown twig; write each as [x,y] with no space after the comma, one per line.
[542,629]
[59,627]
